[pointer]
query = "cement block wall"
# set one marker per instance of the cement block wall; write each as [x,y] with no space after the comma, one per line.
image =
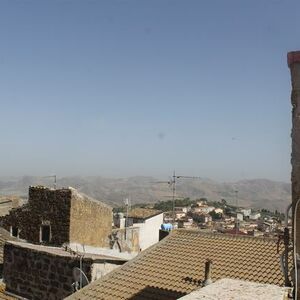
[90,221]
[39,275]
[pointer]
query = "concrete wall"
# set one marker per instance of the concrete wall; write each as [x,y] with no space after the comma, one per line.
[39,275]
[149,231]
[101,269]
[125,240]
[45,206]
[90,221]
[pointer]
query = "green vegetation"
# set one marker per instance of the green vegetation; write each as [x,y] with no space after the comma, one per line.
[278,215]
[215,216]
[168,205]
[227,208]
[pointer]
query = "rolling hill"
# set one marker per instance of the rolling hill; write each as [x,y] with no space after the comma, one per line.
[256,193]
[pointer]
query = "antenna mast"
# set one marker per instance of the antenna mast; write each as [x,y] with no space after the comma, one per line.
[127,204]
[172,183]
[54,177]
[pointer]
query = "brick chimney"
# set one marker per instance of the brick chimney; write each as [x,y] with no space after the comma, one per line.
[294,65]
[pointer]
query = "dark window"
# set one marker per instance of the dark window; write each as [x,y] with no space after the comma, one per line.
[14,231]
[45,233]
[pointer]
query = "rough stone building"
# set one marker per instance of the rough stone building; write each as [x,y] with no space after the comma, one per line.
[57,216]
[294,65]
[4,237]
[44,272]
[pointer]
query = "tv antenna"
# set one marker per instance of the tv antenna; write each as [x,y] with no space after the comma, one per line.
[128,207]
[172,184]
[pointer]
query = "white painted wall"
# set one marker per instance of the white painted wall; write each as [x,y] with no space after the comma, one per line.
[149,231]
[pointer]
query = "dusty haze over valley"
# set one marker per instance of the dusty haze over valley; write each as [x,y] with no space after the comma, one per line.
[256,193]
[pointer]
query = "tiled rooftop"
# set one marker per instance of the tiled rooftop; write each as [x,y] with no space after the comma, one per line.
[232,289]
[175,266]
[4,295]
[143,213]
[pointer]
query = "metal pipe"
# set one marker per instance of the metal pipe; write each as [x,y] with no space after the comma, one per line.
[207,275]
[286,240]
[284,265]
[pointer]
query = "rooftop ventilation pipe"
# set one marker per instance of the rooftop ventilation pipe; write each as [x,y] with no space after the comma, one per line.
[207,275]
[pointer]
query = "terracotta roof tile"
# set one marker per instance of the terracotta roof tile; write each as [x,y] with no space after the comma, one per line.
[4,295]
[175,266]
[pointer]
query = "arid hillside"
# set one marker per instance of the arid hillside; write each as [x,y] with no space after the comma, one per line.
[258,193]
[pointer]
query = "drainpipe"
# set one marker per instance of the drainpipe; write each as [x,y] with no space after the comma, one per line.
[293,59]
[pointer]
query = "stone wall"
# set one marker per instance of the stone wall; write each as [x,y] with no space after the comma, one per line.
[90,221]
[39,275]
[294,64]
[45,206]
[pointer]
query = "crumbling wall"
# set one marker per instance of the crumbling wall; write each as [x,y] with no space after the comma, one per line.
[90,221]
[125,239]
[44,205]
[39,275]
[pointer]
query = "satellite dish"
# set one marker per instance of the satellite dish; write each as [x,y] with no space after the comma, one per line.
[80,279]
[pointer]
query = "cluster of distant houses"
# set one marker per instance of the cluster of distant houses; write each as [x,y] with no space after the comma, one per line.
[61,240]
[224,219]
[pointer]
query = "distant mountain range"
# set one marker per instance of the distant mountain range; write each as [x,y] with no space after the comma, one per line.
[256,193]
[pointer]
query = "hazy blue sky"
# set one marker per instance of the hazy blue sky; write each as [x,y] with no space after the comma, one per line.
[122,88]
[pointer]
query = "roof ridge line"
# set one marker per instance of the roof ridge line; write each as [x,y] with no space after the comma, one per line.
[222,235]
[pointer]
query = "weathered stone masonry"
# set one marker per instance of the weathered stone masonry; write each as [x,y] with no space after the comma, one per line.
[44,205]
[71,217]
[35,275]
[90,221]
[43,272]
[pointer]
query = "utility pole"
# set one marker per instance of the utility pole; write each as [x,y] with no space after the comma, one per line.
[236,211]
[127,201]
[236,198]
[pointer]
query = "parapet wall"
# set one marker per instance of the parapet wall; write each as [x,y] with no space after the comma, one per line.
[39,275]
